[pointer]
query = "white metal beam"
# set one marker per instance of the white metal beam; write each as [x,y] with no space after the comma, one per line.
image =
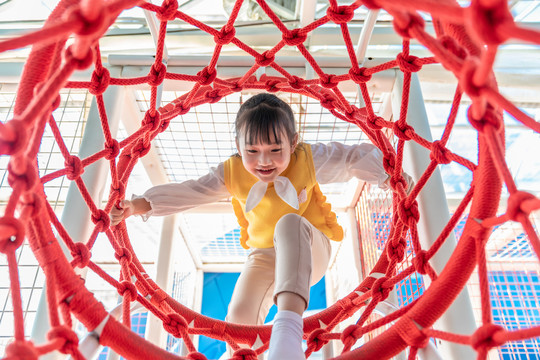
[434,215]
[154,331]
[76,216]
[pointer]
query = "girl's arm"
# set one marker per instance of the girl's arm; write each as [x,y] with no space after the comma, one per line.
[174,197]
[336,162]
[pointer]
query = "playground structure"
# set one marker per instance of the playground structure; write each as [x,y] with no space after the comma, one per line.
[465,40]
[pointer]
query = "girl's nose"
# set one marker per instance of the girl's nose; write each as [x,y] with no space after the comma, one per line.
[264,159]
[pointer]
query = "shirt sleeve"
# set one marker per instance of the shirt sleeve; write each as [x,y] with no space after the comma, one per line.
[172,198]
[337,162]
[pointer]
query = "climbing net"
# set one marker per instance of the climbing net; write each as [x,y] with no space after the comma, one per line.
[465,42]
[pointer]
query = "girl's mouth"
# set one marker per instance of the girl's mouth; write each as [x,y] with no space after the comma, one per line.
[265,171]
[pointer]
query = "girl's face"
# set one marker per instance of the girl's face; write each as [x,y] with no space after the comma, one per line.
[266,161]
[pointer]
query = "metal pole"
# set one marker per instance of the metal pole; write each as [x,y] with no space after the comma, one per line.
[76,214]
[154,329]
[434,215]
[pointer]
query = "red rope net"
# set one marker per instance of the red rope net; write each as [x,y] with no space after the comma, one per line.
[465,43]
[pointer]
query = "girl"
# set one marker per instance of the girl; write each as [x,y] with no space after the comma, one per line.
[284,219]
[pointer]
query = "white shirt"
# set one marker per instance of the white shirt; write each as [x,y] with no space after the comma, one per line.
[334,162]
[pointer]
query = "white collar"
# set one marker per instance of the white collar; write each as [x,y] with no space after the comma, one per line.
[284,189]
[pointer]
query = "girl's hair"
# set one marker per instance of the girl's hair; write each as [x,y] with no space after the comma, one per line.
[263,118]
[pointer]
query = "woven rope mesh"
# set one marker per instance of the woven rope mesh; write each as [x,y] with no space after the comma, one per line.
[465,41]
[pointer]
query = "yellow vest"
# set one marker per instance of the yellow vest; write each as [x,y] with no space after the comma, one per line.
[257,226]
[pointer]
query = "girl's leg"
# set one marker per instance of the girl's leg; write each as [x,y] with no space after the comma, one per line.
[252,295]
[302,256]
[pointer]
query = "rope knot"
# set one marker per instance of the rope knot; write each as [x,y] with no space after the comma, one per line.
[213,96]
[355,115]
[514,210]
[21,350]
[328,81]
[345,303]
[372,122]
[79,63]
[381,288]
[328,101]
[340,15]
[225,36]
[408,63]
[180,109]
[118,192]
[493,23]
[236,87]
[86,26]
[396,250]
[21,174]
[296,82]
[294,37]
[101,220]
[128,290]
[406,23]
[389,162]
[401,131]
[158,296]
[271,85]
[167,10]
[124,256]
[175,325]
[11,234]
[450,44]
[470,65]
[140,149]
[100,81]
[411,334]
[157,74]
[152,118]
[408,213]
[351,334]
[265,59]
[315,339]
[69,337]
[113,149]
[164,125]
[491,117]
[206,76]
[17,139]
[81,255]
[420,262]
[358,75]
[244,354]
[488,336]
[439,153]
[74,167]
[31,205]
[196,356]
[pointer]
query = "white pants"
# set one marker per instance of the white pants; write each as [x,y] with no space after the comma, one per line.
[298,260]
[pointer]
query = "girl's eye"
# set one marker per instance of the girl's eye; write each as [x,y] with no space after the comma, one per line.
[250,151]
[276,150]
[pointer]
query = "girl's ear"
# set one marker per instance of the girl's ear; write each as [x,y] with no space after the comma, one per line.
[294,142]
[238,146]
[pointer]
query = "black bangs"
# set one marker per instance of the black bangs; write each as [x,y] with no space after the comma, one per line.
[267,127]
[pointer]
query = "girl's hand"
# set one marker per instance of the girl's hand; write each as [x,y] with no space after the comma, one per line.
[408,179]
[410,182]
[124,210]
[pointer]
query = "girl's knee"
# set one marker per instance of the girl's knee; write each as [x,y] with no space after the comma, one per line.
[292,228]
[289,222]
[240,313]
